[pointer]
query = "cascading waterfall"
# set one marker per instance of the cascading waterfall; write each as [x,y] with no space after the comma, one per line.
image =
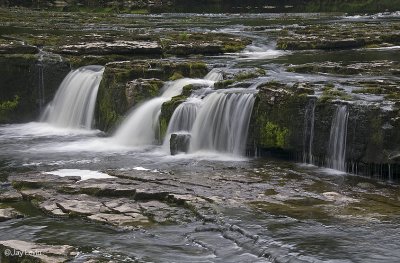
[75,100]
[214,75]
[141,125]
[309,118]
[222,123]
[337,139]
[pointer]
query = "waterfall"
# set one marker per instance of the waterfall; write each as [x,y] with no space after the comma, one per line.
[183,118]
[308,132]
[74,103]
[337,139]
[222,123]
[140,127]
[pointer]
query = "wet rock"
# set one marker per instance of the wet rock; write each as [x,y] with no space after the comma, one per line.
[32,252]
[52,208]
[95,188]
[333,36]
[186,43]
[22,72]
[82,206]
[118,47]
[40,180]
[8,214]
[17,48]
[179,143]
[123,220]
[140,89]
[10,196]
[117,93]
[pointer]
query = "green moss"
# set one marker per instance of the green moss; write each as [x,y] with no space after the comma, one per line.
[7,107]
[273,136]
[246,75]
[187,90]
[370,90]
[223,84]
[167,109]
[330,94]
[393,96]
[176,76]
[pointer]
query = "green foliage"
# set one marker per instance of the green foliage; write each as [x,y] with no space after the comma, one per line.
[274,136]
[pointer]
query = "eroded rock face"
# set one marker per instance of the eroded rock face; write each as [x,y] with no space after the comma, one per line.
[279,117]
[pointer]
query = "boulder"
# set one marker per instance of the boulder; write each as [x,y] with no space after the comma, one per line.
[179,143]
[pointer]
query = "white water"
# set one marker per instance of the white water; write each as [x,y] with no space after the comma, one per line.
[337,139]
[309,118]
[222,123]
[141,126]
[182,119]
[260,51]
[75,100]
[214,75]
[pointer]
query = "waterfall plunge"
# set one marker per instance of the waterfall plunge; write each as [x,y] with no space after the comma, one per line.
[141,125]
[75,100]
[222,123]
[337,139]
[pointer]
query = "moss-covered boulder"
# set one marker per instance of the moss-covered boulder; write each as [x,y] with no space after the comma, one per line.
[125,84]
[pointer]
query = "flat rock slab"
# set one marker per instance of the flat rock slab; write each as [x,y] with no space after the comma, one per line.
[22,251]
[8,214]
[123,220]
[10,196]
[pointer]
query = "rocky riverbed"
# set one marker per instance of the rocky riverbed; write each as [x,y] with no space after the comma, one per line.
[83,196]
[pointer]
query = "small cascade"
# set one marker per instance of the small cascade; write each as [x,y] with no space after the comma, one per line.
[41,98]
[74,103]
[222,123]
[140,127]
[308,132]
[183,118]
[214,75]
[337,139]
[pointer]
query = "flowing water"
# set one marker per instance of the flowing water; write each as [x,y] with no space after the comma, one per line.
[222,123]
[140,127]
[308,139]
[337,139]
[74,103]
[266,210]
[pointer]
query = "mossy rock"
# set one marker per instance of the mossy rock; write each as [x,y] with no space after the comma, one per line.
[116,96]
[167,110]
